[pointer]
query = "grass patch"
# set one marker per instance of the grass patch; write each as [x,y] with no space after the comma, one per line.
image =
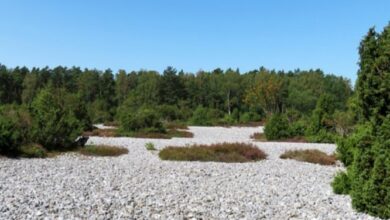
[224,152]
[258,136]
[150,146]
[310,156]
[102,133]
[103,150]
[176,125]
[179,133]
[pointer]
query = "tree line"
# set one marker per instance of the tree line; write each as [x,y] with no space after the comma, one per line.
[226,93]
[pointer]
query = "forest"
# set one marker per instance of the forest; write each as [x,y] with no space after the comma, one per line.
[147,100]
[48,108]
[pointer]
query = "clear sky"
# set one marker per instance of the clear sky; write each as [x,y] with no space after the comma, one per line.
[188,34]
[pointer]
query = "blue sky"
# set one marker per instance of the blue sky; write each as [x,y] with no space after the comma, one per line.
[188,34]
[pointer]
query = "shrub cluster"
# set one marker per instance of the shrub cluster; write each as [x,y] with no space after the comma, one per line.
[142,119]
[53,122]
[366,152]
[15,124]
[224,152]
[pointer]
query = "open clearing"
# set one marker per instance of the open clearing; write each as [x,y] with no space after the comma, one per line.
[139,185]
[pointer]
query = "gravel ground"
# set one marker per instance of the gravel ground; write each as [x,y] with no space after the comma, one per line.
[141,186]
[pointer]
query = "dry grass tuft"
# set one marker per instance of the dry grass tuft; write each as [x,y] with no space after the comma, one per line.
[261,137]
[103,150]
[224,152]
[139,134]
[258,136]
[102,133]
[175,126]
[311,156]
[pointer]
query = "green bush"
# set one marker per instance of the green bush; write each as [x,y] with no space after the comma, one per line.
[341,184]
[55,125]
[170,112]
[250,117]
[143,119]
[97,112]
[367,151]
[321,126]
[15,124]
[201,117]
[10,137]
[150,146]
[33,151]
[276,127]
[322,136]
[297,128]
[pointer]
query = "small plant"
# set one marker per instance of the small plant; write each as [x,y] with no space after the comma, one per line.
[341,183]
[224,152]
[310,156]
[258,136]
[150,146]
[33,151]
[103,150]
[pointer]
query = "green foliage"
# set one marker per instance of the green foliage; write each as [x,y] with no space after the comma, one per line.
[366,152]
[321,127]
[277,127]
[97,113]
[10,137]
[204,116]
[251,116]
[142,119]
[170,112]
[150,146]
[15,124]
[322,136]
[269,91]
[55,125]
[33,151]
[297,128]
[341,183]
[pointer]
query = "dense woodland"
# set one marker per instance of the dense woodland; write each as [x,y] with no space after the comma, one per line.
[225,92]
[48,108]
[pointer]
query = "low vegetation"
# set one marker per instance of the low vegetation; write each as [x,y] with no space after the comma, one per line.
[33,151]
[102,132]
[261,137]
[310,156]
[103,150]
[168,134]
[224,152]
[150,146]
[257,136]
